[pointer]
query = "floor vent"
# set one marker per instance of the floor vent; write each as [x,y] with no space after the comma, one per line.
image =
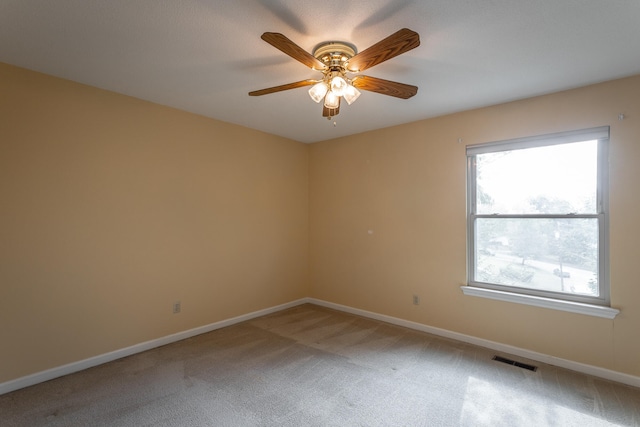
[514,363]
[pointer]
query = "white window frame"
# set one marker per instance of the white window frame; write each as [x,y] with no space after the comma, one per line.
[598,306]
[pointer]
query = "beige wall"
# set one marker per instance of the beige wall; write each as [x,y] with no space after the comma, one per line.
[112,208]
[407,186]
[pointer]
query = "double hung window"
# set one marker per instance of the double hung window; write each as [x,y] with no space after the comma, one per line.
[538,216]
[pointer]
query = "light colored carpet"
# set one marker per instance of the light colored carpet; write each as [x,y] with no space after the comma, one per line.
[311,366]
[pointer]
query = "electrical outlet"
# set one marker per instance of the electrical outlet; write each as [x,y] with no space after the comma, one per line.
[416,300]
[176,307]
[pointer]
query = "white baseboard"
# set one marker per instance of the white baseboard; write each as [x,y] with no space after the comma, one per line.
[540,357]
[70,368]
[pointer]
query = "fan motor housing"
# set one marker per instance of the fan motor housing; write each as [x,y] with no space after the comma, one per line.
[334,54]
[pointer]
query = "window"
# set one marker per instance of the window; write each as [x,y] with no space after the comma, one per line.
[537,216]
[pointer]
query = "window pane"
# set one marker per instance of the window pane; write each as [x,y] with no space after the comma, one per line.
[556,179]
[557,255]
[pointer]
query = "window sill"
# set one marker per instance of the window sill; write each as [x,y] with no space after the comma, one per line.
[573,307]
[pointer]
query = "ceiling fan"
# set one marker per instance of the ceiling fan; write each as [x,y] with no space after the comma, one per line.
[335,60]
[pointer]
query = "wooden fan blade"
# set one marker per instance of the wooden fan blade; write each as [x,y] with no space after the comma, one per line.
[282,43]
[331,112]
[397,43]
[280,88]
[385,87]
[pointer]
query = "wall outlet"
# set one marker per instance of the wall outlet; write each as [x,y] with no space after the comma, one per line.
[416,300]
[176,307]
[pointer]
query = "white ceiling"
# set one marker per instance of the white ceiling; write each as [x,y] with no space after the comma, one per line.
[204,56]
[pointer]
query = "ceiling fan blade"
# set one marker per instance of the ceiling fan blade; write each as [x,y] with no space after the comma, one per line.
[331,112]
[397,43]
[280,88]
[282,43]
[385,87]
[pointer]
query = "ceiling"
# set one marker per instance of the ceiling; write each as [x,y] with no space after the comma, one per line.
[204,56]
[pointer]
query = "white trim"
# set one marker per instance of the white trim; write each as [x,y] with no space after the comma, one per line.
[70,368]
[570,306]
[80,365]
[528,354]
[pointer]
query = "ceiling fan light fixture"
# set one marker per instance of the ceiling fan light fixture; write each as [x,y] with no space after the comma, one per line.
[351,94]
[331,100]
[338,85]
[318,91]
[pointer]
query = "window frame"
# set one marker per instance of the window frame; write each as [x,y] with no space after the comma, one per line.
[601,134]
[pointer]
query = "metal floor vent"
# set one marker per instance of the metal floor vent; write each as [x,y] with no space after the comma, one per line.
[514,363]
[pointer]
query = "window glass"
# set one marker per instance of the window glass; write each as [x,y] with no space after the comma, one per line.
[553,179]
[555,255]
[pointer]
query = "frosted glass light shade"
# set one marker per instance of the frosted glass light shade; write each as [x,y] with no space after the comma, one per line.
[331,100]
[318,91]
[338,85]
[351,94]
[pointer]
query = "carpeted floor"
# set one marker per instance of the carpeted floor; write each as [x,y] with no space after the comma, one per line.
[311,366]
